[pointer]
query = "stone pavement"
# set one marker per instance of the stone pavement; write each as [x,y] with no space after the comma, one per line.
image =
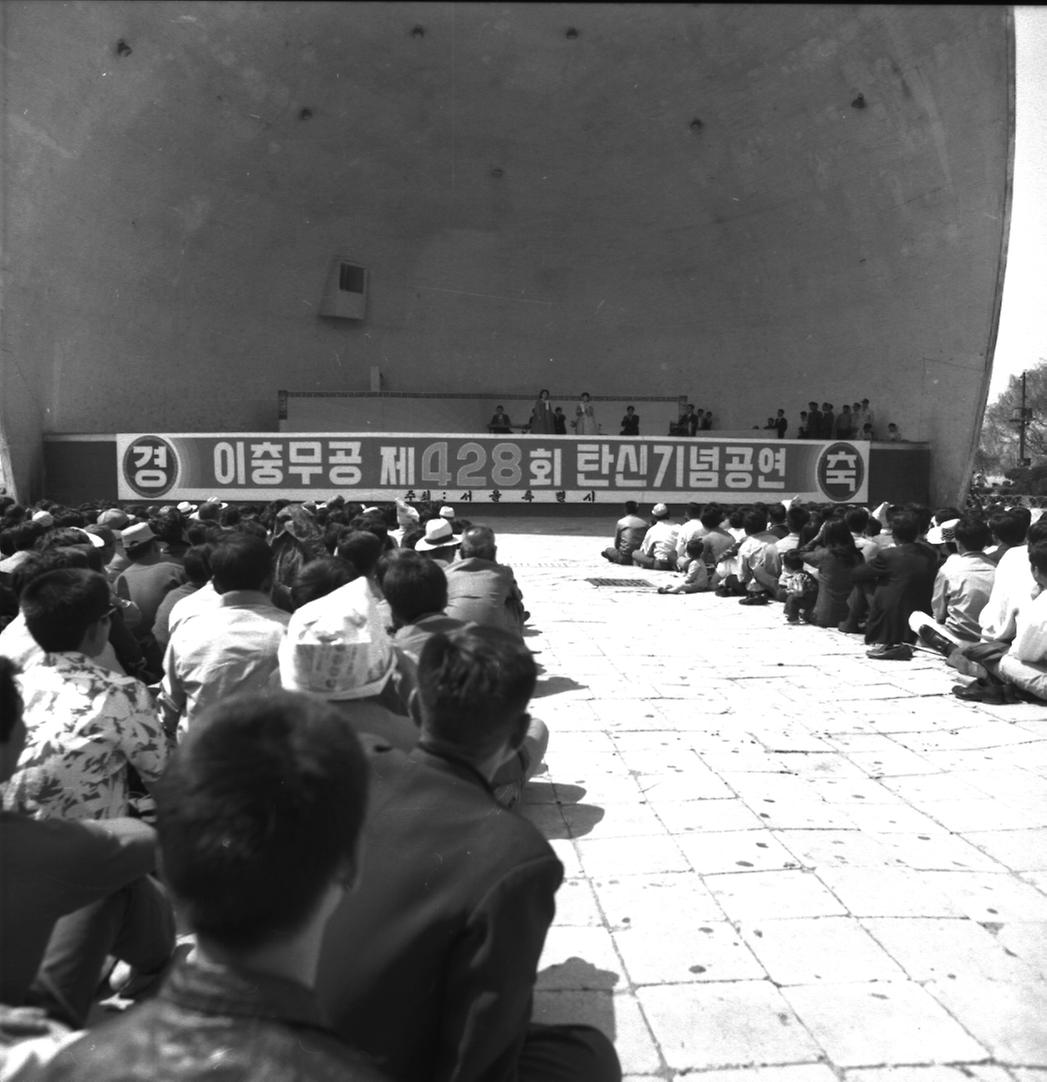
[784,862]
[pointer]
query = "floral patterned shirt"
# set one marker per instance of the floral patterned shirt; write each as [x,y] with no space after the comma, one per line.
[84,726]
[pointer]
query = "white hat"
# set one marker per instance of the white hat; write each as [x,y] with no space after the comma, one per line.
[43,518]
[438,535]
[93,538]
[337,647]
[880,514]
[791,502]
[137,534]
[660,510]
[945,531]
[447,513]
[185,508]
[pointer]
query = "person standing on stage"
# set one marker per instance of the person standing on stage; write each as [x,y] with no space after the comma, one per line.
[584,418]
[542,418]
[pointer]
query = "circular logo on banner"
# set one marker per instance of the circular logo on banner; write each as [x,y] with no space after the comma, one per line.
[150,466]
[841,472]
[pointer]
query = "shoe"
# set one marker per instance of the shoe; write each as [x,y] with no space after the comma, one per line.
[936,640]
[754,599]
[849,628]
[792,619]
[886,652]
[980,692]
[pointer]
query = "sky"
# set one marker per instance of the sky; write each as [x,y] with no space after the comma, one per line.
[1022,340]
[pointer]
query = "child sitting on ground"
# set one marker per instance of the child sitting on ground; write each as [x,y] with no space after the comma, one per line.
[696,580]
[798,588]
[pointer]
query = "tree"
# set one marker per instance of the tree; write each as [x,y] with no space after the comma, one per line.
[998,445]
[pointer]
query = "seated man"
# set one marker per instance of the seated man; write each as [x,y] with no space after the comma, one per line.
[337,647]
[1022,663]
[74,892]
[228,649]
[760,563]
[430,965]
[86,723]
[657,551]
[416,589]
[479,589]
[691,528]
[629,532]
[903,578]
[258,819]
[961,589]
[149,575]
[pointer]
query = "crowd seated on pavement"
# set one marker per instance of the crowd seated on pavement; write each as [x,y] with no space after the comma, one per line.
[965,584]
[155,666]
[274,705]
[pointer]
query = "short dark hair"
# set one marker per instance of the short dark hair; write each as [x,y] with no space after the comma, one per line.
[10,698]
[257,810]
[413,585]
[60,606]
[792,559]
[478,541]
[694,510]
[972,533]
[712,516]
[905,526]
[1038,557]
[796,518]
[241,561]
[1009,529]
[320,577]
[361,548]
[197,564]
[474,685]
[857,518]
[755,521]
[777,513]
[631,507]
[695,547]
[1037,532]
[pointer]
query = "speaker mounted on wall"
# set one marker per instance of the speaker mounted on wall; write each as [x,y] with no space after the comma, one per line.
[345,294]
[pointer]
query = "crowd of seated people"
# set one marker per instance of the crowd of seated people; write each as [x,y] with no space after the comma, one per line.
[315,719]
[965,584]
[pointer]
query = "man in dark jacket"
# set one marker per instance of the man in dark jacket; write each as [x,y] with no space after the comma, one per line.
[903,576]
[430,964]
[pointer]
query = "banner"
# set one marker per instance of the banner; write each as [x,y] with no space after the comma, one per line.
[491,469]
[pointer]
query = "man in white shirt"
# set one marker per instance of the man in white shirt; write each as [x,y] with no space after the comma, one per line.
[230,648]
[658,550]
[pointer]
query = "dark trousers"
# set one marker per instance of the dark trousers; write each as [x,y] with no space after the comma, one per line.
[136,925]
[567,1054]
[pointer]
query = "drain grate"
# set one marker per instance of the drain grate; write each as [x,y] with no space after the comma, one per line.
[626,584]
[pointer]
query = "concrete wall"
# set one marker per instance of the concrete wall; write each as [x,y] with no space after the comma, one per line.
[679,199]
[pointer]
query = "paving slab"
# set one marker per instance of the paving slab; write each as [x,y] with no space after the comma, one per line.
[786,862]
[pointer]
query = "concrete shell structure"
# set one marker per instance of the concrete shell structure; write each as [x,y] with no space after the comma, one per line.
[751,205]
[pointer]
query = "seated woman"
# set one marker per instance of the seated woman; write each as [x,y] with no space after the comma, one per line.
[835,556]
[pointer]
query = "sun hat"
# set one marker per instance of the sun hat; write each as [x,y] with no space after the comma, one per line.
[406,515]
[138,534]
[660,510]
[438,534]
[945,531]
[337,646]
[185,507]
[447,513]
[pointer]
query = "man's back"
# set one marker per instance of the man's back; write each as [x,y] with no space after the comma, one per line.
[229,649]
[429,964]
[212,1021]
[483,592]
[146,583]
